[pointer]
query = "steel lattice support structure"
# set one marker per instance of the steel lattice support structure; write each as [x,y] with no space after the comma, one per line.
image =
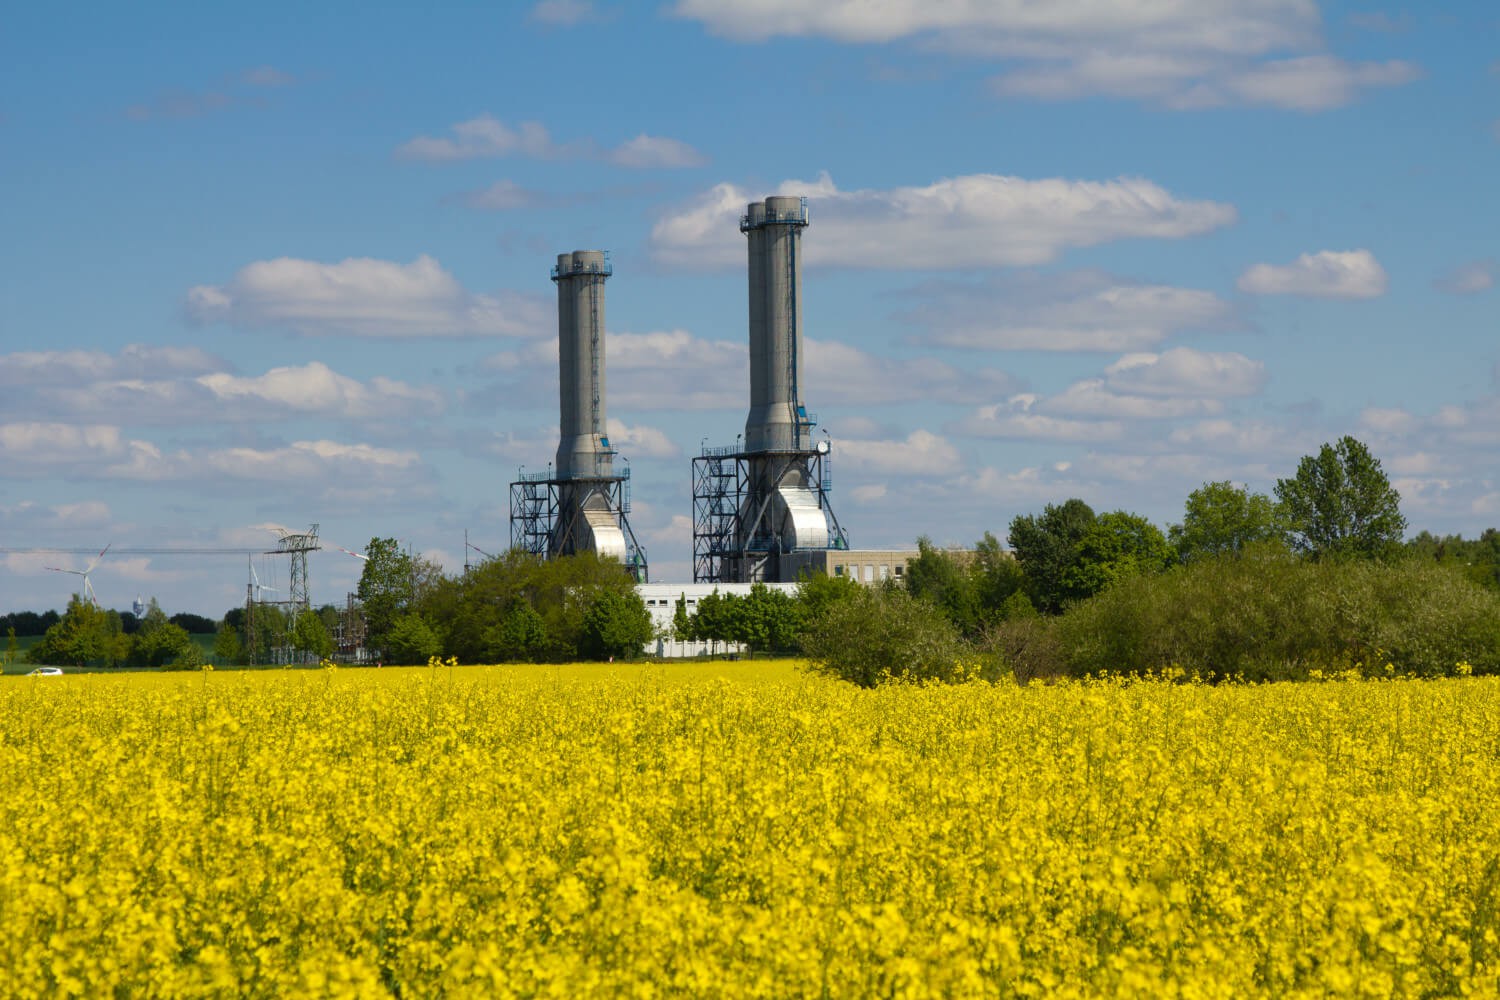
[735,537]
[544,509]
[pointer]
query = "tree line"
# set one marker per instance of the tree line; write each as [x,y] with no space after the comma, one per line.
[1315,576]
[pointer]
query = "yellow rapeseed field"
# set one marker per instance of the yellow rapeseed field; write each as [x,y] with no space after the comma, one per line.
[744,830]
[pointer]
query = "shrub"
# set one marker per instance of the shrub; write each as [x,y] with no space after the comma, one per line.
[876,635]
[1271,616]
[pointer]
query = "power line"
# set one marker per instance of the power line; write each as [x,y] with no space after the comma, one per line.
[139,552]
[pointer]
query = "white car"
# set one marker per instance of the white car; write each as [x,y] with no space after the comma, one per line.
[46,672]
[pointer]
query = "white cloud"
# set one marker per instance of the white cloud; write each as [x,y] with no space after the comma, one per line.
[320,462]
[31,518]
[486,137]
[1094,398]
[922,453]
[1220,436]
[1177,54]
[363,296]
[504,195]
[1183,371]
[39,444]
[641,441]
[221,397]
[1387,420]
[316,388]
[1306,83]
[563,13]
[868,493]
[971,222]
[840,373]
[1328,274]
[646,152]
[1015,420]
[36,369]
[1467,279]
[1080,311]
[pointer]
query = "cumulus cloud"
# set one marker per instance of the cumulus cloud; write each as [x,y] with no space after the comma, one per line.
[922,453]
[1468,279]
[641,441]
[37,369]
[1178,55]
[316,388]
[1081,311]
[486,137]
[968,222]
[1328,274]
[362,296]
[1183,371]
[221,397]
[35,444]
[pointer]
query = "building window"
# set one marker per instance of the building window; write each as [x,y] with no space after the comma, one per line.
[838,571]
[885,571]
[899,568]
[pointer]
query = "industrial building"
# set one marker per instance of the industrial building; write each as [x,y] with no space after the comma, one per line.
[757,505]
[761,511]
[581,503]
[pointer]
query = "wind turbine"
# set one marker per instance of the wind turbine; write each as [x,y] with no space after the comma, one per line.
[88,588]
[256,578]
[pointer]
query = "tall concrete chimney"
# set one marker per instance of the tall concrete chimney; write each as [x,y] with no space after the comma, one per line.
[587,519]
[777,420]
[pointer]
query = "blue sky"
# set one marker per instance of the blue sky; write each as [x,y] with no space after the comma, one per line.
[291,265]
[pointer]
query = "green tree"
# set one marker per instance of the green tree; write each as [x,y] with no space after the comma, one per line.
[819,592]
[1046,547]
[682,622]
[1117,545]
[947,582]
[410,640]
[768,619]
[714,621]
[386,586]
[310,635]
[12,646]
[159,643]
[1340,503]
[615,624]
[81,635]
[1224,519]
[998,578]
[519,637]
[227,646]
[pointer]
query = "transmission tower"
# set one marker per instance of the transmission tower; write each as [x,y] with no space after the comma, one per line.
[297,545]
